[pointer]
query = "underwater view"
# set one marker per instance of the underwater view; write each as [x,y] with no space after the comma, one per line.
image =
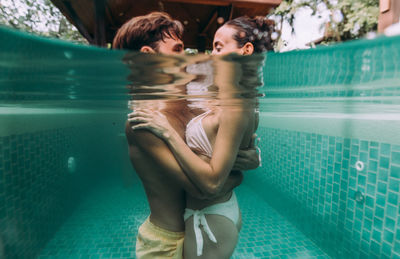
[328,185]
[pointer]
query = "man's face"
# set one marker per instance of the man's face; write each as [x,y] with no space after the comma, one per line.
[170,46]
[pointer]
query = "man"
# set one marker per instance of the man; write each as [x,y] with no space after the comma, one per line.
[161,235]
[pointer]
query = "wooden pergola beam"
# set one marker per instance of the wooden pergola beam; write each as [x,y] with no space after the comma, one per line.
[227,2]
[78,23]
[98,20]
[225,12]
[100,24]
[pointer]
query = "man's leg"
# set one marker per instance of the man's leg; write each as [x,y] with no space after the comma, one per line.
[155,242]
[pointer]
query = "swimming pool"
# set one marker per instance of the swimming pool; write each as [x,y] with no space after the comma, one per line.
[328,186]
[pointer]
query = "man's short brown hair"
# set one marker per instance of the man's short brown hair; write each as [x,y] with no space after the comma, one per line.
[147,30]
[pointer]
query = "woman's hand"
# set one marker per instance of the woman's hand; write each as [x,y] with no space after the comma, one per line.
[154,121]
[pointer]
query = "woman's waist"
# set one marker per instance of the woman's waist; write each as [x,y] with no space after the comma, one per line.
[198,204]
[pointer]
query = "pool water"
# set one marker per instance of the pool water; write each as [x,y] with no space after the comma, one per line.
[328,187]
[105,225]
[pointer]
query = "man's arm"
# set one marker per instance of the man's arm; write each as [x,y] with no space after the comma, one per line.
[248,159]
[162,155]
[209,176]
[160,152]
[155,148]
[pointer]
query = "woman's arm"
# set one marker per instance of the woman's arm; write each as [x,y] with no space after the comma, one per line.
[161,155]
[209,177]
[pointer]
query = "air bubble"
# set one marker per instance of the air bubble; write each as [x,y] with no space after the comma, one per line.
[68,54]
[359,197]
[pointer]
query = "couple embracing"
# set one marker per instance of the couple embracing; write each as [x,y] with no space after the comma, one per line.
[190,163]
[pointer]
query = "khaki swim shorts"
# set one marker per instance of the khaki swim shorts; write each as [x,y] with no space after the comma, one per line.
[155,242]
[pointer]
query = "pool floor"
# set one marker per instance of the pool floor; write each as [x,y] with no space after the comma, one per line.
[105,226]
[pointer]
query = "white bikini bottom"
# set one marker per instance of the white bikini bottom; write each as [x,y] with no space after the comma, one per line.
[228,209]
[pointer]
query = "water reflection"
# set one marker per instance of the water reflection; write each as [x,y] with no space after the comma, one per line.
[201,80]
[206,114]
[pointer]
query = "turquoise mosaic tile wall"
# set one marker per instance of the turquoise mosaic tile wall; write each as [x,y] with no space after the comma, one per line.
[343,193]
[37,190]
[33,189]
[350,65]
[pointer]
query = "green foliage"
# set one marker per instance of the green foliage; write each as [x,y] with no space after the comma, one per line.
[189,51]
[349,19]
[39,17]
[360,17]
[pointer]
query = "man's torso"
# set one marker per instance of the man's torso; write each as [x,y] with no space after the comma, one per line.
[166,197]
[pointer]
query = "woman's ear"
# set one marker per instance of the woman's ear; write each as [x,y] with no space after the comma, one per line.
[248,48]
[147,49]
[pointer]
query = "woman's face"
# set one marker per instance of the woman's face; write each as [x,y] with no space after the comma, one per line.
[224,43]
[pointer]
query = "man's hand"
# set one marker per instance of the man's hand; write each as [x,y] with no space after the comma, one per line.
[248,159]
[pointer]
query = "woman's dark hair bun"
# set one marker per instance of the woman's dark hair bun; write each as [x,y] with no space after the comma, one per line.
[258,31]
[263,23]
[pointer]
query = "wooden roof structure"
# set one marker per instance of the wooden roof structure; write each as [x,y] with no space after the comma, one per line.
[98,20]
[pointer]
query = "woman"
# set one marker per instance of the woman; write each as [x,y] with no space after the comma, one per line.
[213,140]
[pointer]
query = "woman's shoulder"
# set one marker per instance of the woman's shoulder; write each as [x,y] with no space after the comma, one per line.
[236,117]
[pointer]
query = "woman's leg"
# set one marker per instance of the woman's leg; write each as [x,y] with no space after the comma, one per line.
[224,230]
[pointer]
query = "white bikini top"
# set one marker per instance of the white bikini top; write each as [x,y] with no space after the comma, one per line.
[196,137]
